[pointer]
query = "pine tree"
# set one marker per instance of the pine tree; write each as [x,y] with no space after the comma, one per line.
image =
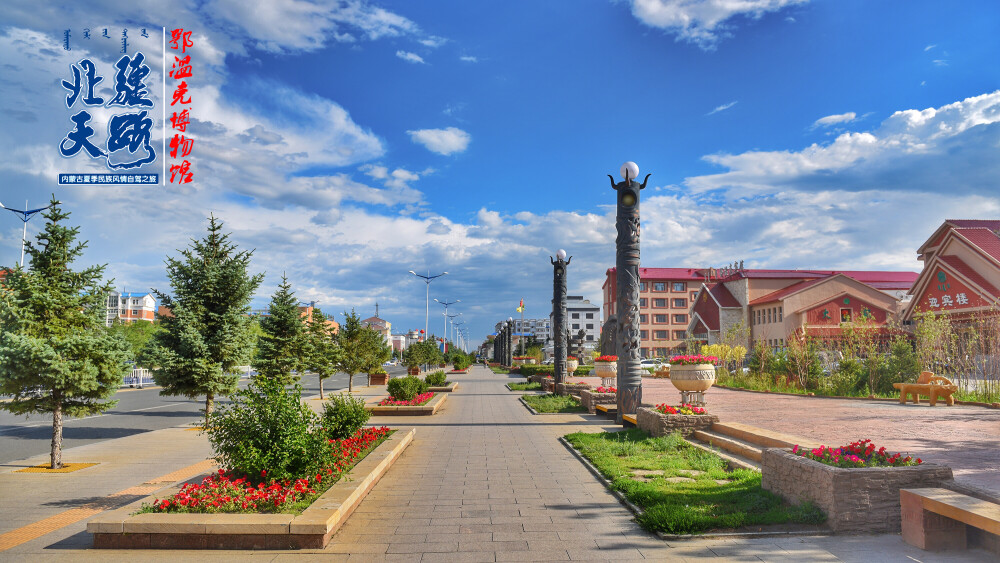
[321,351]
[207,333]
[56,355]
[280,349]
[353,346]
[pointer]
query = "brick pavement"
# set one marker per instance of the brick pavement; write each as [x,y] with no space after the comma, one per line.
[483,481]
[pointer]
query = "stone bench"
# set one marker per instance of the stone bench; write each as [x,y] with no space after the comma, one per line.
[937,519]
[930,385]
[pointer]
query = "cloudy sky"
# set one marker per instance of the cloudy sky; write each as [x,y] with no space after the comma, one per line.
[350,141]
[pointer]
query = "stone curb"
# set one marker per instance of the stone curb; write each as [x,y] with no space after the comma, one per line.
[423,410]
[313,528]
[639,512]
[892,399]
[532,391]
[444,389]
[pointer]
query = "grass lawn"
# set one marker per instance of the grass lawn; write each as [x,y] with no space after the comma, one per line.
[683,489]
[526,386]
[501,371]
[554,403]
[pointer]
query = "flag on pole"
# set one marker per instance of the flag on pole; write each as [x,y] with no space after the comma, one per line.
[520,308]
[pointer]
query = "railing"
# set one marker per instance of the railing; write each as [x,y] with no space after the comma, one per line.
[138,378]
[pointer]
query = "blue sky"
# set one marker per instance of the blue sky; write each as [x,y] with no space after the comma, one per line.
[351,141]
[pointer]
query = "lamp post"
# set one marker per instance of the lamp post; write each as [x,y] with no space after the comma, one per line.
[25,215]
[446,303]
[452,339]
[456,333]
[510,341]
[559,312]
[427,309]
[627,279]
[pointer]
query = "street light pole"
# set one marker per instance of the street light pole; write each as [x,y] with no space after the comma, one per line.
[452,317]
[627,279]
[427,307]
[446,303]
[25,215]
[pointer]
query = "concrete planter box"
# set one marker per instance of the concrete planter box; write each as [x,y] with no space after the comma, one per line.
[572,388]
[312,529]
[591,399]
[446,389]
[659,424]
[430,408]
[854,500]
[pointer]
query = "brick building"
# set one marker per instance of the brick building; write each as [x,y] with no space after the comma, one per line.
[129,307]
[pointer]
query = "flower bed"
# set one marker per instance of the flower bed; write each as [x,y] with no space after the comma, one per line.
[229,493]
[591,399]
[855,499]
[663,423]
[856,454]
[419,400]
[693,360]
[603,389]
[664,408]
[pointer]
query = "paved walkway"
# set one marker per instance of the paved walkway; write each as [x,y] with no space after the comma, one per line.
[484,480]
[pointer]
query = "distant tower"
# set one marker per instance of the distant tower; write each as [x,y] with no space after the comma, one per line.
[376,308]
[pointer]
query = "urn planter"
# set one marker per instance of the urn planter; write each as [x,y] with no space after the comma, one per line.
[607,371]
[696,377]
[571,365]
[862,499]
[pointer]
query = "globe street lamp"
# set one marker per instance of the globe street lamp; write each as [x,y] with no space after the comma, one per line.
[627,280]
[427,309]
[25,215]
[559,313]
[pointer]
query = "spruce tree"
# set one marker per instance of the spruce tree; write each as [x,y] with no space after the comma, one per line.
[321,351]
[280,348]
[207,332]
[353,348]
[56,355]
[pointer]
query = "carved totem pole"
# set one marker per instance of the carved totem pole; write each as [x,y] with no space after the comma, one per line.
[627,279]
[559,312]
[510,342]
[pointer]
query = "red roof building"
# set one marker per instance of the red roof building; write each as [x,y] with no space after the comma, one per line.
[705,303]
[961,274]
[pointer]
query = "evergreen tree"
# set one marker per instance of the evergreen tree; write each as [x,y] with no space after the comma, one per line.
[280,349]
[208,332]
[56,356]
[321,351]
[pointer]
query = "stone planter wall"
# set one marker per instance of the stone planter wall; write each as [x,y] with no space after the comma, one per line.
[590,399]
[548,385]
[854,500]
[658,424]
[572,388]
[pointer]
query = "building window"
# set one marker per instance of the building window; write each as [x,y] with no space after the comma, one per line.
[576,326]
[643,334]
[660,334]
[659,302]
[590,327]
[659,318]
[576,315]
[135,311]
[768,315]
[694,295]
[781,315]
[680,335]
[659,286]
[590,315]
[644,352]
[680,303]
[590,337]
[643,318]
[642,286]
[642,301]
[845,315]
[680,286]
[680,319]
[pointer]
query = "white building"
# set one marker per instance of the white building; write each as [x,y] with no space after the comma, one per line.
[539,328]
[129,307]
[581,314]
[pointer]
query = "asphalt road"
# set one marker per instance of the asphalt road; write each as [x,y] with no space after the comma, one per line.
[138,411]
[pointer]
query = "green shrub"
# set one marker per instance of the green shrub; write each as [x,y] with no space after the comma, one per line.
[343,415]
[406,388]
[849,379]
[436,379]
[268,429]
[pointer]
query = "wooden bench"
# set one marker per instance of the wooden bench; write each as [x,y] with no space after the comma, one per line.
[930,385]
[938,519]
[607,410]
[630,418]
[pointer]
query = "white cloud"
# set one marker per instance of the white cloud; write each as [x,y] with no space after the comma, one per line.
[442,141]
[940,62]
[702,22]
[468,59]
[948,148]
[929,47]
[433,41]
[410,57]
[835,119]
[723,107]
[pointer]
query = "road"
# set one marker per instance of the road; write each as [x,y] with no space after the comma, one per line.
[138,411]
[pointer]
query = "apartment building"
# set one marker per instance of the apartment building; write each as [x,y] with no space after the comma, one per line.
[538,328]
[129,307]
